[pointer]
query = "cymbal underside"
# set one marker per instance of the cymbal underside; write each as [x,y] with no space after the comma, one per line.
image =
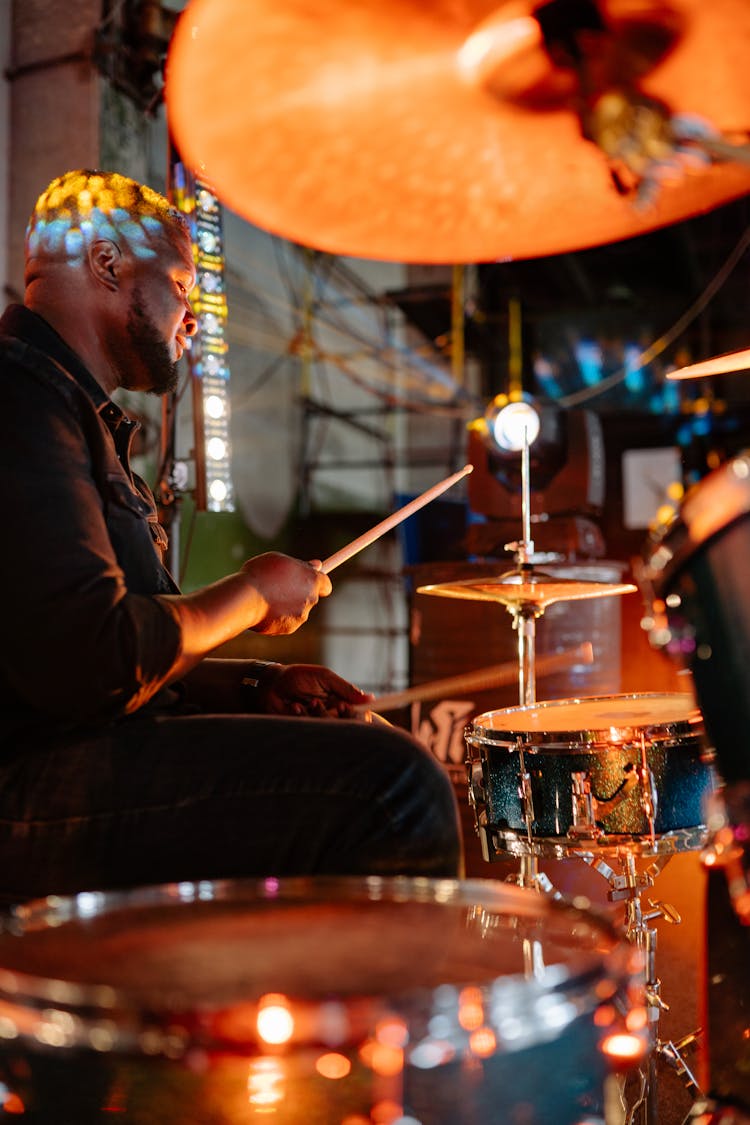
[513,590]
[382,129]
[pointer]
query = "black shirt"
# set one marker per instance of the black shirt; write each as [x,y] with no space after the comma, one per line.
[85,639]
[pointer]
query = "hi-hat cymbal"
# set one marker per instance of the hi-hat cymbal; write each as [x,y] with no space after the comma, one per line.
[520,590]
[441,131]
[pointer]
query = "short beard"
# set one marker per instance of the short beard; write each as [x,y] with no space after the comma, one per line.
[151,349]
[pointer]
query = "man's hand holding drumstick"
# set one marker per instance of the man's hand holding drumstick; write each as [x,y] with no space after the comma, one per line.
[289,589]
[302,689]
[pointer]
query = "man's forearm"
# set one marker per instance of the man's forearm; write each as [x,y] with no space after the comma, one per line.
[211,616]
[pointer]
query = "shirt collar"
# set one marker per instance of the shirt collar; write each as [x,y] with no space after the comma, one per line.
[26,325]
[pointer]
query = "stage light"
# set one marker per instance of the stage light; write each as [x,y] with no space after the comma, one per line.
[214,406]
[216,448]
[207,355]
[508,427]
[514,425]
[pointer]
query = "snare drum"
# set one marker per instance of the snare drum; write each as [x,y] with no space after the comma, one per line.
[319,1002]
[558,777]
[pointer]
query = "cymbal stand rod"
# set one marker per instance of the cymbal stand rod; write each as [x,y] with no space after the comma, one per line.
[528,542]
[524,616]
[524,622]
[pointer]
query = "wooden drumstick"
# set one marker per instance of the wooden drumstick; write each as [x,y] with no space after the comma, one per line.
[496,675]
[393,520]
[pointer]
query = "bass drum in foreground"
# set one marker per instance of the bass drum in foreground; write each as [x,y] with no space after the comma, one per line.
[319,1001]
[564,776]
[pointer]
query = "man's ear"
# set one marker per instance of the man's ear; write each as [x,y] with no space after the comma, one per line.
[105,262]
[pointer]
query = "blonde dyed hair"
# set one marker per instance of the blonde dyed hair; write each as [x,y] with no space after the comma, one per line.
[85,205]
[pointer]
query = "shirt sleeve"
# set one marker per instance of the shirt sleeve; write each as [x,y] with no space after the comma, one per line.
[79,645]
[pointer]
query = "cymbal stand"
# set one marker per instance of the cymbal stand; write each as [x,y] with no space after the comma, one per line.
[627,887]
[524,622]
[524,616]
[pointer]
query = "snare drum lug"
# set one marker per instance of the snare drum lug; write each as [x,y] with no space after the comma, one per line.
[584,807]
[649,796]
[477,795]
[526,798]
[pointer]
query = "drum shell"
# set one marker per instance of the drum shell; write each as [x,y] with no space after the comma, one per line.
[674,753]
[203,1056]
[698,570]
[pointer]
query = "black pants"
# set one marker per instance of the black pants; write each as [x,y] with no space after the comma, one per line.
[173,798]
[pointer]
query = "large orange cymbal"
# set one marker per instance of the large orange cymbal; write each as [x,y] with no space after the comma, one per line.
[383,129]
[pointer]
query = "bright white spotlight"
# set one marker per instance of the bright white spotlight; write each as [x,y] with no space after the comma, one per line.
[516,425]
[218,491]
[214,406]
[216,448]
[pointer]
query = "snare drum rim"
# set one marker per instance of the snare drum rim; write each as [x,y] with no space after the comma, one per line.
[682,730]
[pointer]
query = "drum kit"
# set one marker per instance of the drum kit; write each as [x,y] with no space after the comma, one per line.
[602,780]
[449,132]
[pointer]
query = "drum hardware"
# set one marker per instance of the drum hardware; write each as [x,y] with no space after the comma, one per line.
[529,873]
[674,1054]
[527,797]
[627,886]
[648,792]
[589,809]
[535,786]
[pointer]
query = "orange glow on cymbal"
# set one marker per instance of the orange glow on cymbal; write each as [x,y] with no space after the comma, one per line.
[436,132]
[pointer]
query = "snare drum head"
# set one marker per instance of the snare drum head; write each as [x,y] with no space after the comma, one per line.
[604,719]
